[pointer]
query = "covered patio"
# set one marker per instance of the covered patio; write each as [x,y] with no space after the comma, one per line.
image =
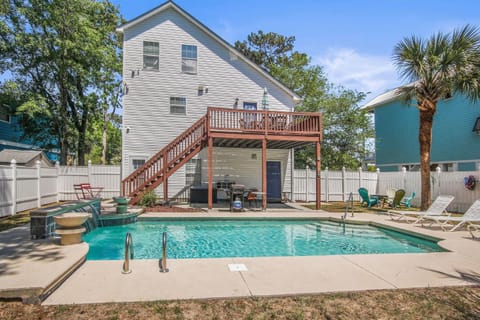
[263,130]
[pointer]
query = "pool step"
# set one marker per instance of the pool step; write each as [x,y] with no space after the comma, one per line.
[358,232]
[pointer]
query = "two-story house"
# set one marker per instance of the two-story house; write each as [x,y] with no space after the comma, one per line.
[455,133]
[191,98]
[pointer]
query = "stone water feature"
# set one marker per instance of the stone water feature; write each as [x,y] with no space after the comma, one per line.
[42,222]
[69,226]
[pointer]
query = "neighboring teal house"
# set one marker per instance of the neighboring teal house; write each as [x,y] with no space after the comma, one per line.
[11,135]
[456,134]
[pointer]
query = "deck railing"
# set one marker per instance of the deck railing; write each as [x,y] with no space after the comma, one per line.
[257,121]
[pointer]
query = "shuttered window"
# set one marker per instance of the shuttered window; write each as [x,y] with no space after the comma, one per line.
[189,59]
[150,55]
[178,105]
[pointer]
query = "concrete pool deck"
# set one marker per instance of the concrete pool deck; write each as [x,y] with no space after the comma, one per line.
[102,281]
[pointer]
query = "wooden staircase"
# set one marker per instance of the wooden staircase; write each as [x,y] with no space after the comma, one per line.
[164,163]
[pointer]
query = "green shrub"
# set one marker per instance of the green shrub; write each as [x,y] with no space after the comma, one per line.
[149,199]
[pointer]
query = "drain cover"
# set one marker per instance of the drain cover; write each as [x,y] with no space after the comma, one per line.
[237,267]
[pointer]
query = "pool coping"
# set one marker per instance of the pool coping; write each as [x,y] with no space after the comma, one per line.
[102,281]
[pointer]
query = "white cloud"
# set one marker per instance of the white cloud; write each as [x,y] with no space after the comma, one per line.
[363,72]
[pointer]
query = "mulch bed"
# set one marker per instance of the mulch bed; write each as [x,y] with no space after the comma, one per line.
[172,209]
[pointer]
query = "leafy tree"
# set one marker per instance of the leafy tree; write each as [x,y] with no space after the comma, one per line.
[65,55]
[345,126]
[437,67]
[97,150]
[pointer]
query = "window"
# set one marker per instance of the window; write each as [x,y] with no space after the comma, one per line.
[189,59]
[137,163]
[150,55]
[4,113]
[178,105]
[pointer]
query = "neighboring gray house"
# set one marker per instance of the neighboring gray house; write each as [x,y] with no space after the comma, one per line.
[27,158]
[174,68]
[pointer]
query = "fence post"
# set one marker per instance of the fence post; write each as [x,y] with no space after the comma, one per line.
[437,187]
[326,184]
[13,165]
[404,174]
[57,165]
[360,177]
[307,182]
[39,192]
[343,184]
[377,191]
[89,169]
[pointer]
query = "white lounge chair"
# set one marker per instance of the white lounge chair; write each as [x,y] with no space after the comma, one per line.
[437,208]
[472,215]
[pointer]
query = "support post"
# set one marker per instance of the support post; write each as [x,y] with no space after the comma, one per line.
[39,192]
[210,173]
[317,178]
[264,174]
[165,179]
[13,165]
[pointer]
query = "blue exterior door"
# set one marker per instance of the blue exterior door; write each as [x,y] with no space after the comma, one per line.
[274,181]
[250,118]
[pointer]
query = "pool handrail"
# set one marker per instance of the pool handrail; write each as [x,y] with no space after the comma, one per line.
[128,253]
[163,260]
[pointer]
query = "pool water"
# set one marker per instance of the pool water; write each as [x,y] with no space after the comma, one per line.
[250,238]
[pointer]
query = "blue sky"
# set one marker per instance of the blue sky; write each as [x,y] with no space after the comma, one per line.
[352,40]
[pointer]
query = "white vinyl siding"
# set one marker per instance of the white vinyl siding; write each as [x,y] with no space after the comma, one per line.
[147,105]
[150,55]
[189,59]
[178,105]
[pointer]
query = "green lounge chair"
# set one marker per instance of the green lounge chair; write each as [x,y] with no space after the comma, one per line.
[397,198]
[407,200]
[366,199]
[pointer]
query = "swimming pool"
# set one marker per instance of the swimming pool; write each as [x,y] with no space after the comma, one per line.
[250,238]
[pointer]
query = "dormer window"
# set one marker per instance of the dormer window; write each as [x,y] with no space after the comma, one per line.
[189,59]
[150,55]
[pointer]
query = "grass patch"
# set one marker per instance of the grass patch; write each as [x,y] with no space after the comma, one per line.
[339,206]
[17,220]
[407,304]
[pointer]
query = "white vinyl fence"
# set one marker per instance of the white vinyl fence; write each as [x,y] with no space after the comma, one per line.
[335,185]
[441,183]
[24,188]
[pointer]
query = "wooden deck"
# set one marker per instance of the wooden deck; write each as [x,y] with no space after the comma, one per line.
[222,127]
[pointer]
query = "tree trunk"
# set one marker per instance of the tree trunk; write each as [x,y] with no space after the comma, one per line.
[425,140]
[104,138]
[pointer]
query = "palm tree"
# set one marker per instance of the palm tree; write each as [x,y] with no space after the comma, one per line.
[437,68]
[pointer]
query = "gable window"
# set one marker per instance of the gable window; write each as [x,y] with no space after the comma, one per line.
[150,55]
[189,59]
[178,105]
[4,113]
